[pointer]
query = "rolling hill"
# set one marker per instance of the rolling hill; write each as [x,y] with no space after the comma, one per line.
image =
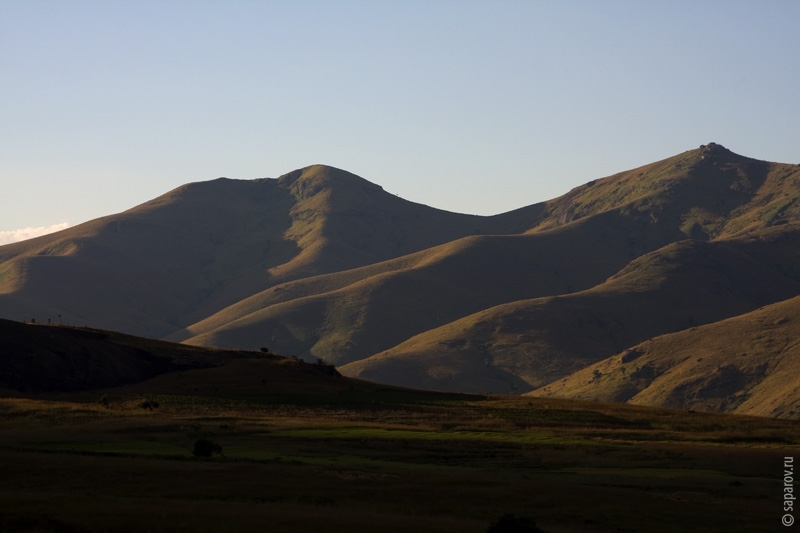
[515,347]
[747,364]
[320,263]
[50,361]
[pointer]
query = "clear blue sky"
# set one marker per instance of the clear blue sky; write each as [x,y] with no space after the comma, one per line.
[475,107]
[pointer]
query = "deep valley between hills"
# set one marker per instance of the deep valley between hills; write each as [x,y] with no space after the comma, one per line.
[311,353]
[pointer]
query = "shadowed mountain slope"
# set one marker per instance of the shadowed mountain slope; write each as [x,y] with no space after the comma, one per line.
[348,316]
[195,250]
[55,362]
[39,358]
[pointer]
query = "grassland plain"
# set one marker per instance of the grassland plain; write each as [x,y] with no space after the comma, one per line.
[381,460]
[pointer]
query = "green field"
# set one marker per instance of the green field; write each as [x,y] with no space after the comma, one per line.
[385,461]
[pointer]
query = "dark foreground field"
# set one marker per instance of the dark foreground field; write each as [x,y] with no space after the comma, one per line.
[384,461]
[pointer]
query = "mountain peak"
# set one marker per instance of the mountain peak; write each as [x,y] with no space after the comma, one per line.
[309,181]
[713,149]
[713,146]
[318,172]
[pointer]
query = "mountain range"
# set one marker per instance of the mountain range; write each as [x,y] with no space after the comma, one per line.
[674,284]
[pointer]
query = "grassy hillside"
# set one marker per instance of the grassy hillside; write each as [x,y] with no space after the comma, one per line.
[707,193]
[528,343]
[348,316]
[747,364]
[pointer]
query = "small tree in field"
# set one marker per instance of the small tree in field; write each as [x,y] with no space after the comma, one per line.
[206,448]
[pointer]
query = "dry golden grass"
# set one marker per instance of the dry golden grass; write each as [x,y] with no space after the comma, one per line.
[748,364]
[530,343]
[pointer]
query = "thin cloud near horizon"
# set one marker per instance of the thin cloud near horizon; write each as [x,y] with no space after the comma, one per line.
[23,234]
